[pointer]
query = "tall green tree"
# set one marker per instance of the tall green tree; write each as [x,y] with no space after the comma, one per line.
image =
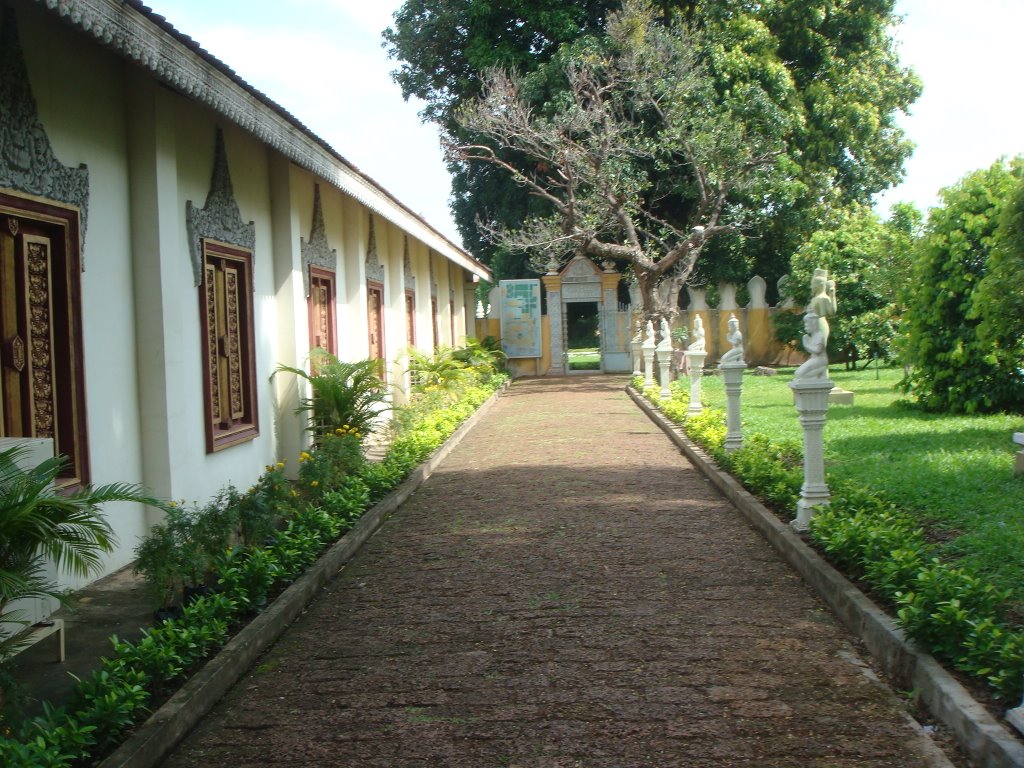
[956,367]
[848,87]
[1000,296]
[617,112]
[869,259]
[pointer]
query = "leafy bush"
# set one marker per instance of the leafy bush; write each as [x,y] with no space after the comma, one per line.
[343,395]
[953,614]
[956,369]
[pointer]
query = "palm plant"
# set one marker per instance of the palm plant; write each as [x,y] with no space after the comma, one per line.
[441,370]
[485,356]
[39,523]
[343,394]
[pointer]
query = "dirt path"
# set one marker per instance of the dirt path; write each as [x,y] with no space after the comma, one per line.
[566,590]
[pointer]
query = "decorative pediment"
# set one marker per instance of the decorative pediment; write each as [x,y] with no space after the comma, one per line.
[220,218]
[410,278]
[580,269]
[27,161]
[316,252]
[374,269]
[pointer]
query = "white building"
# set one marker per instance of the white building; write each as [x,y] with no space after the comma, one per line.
[168,236]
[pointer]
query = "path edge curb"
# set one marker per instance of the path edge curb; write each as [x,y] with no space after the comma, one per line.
[153,739]
[987,742]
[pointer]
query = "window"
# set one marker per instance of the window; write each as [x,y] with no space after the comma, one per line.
[410,318]
[375,323]
[229,366]
[451,319]
[42,374]
[433,313]
[322,301]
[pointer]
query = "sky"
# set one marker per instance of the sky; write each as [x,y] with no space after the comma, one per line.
[322,60]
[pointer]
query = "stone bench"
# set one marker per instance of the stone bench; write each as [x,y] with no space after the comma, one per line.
[1018,438]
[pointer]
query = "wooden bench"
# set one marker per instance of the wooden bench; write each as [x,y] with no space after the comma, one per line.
[44,629]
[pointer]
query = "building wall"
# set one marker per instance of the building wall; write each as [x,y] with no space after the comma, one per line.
[149,151]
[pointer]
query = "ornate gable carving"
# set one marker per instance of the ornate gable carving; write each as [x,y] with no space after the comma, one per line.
[27,161]
[374,269]
[317,252]
[410,278]
[220,218]
[580,269]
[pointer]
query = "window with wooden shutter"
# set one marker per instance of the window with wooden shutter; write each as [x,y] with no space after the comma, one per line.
[42,375]
[322,301]
[229,366]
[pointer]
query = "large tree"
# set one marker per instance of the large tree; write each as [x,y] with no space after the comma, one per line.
[838,55]
[632,149]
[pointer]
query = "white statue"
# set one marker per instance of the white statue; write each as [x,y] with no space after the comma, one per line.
[649,338]
[823,299]
[735,338]
[666,336]
[816,366]
[697,345]
[638,337]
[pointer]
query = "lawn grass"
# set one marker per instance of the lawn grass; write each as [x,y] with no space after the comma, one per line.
[584,359]
[953,473]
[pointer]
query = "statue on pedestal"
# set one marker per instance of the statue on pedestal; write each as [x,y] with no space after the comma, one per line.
[823,299]
[666,337]
[735,338]
[816,366]
[697,345]
[649,338]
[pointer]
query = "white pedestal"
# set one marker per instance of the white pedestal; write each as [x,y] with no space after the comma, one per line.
[812,407]
[664,370]
[733,375]
[636,348]
[695,365]
[648,350]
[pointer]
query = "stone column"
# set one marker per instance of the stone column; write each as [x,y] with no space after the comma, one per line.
[812,406]
[648,348]
[665,368]
[733,375]
[638,356]
[695,365]
[553,286]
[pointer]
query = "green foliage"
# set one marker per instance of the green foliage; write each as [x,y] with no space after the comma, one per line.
[38,522]
[439,369]
[999,302]
[959,615]
[956,367]
[343,394]
[337,456]
[833,68]
[869,260]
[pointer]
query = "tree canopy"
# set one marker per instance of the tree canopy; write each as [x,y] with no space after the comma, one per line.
[620,112]
[835,60]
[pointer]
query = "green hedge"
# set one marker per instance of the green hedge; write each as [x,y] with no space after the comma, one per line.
[334,489]
[946,610]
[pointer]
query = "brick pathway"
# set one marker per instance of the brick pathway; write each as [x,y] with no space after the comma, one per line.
[566,590]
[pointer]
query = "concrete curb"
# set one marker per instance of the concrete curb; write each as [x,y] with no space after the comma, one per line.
[987,743]
[155,738]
